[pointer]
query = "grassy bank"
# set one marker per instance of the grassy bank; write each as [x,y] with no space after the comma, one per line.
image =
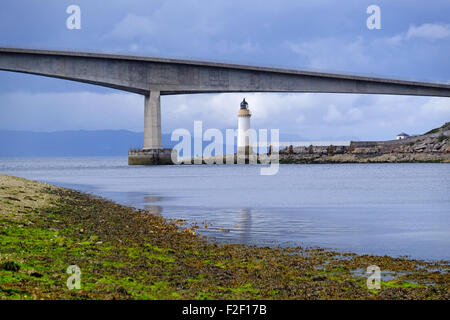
[125,253]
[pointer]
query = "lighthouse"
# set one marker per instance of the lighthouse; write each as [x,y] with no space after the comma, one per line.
[243,142]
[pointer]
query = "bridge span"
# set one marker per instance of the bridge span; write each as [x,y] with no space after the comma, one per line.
[153,77]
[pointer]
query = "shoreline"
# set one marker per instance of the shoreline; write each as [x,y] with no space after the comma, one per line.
[127,253]
[359,158]
[285,158]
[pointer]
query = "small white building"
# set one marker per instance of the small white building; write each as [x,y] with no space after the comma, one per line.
[402,136]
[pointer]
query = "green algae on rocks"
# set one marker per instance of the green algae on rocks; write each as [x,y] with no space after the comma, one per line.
[125,253]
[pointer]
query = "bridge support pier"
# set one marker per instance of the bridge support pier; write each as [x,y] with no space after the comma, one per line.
[152,121]
[152,153]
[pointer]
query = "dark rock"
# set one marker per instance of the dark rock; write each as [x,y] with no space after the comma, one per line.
[10,266]
[319,278]
[11,198]
[36,275]
[122,291]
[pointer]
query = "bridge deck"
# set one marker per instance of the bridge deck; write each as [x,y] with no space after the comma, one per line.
[171,76]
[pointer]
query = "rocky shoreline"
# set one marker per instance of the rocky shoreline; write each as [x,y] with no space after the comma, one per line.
[125,253]
[358,158]
[433,146]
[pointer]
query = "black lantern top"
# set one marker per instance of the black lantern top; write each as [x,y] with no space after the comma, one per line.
[244,104]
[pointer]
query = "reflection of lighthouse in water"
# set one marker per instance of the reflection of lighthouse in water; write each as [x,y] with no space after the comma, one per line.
[245,225]
[243,141]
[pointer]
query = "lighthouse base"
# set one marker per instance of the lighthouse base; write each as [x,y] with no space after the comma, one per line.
[245,150]
[246,155]
[150,157]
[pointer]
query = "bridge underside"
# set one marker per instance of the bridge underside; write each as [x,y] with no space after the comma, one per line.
[153,77]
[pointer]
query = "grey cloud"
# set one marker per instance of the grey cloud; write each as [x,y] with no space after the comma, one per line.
[326,35]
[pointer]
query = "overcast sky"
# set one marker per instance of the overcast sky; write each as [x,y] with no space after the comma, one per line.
[323,35]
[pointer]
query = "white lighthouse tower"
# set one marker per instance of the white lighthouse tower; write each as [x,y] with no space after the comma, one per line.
[243,141]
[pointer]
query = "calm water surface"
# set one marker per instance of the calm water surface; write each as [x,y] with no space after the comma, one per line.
[394,209]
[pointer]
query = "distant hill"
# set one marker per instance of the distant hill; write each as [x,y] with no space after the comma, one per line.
[83,143]
[75,143]
[72,143]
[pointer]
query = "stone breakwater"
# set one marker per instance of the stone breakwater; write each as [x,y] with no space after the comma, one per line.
[433,146]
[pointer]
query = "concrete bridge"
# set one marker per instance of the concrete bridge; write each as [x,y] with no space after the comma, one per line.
[153,77]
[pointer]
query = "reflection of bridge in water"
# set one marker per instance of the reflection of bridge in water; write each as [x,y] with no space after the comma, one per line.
[153,77]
